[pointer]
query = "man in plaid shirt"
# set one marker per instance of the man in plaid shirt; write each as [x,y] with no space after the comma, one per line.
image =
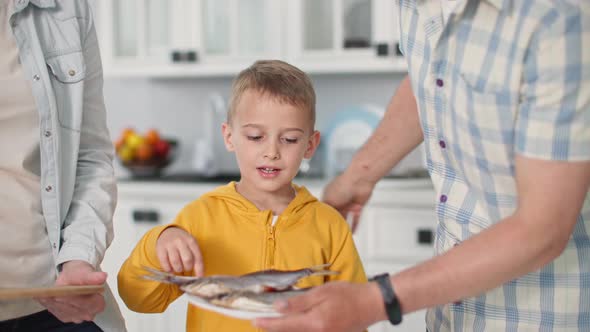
[499,92]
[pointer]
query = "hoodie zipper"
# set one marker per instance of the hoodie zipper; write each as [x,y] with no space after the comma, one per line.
[271,246]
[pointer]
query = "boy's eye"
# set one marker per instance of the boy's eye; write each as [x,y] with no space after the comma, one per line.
[254,138]
[290,140]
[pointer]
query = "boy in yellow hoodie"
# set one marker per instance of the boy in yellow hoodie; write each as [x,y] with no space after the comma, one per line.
[263,221]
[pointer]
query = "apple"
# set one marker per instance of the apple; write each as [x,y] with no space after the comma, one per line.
[161,149]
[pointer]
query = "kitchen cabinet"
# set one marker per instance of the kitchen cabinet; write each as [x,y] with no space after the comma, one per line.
[159,38]
[186,37]
[395,232]
[343,35]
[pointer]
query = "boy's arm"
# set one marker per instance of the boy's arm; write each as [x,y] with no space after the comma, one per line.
[143,295]
[345,258]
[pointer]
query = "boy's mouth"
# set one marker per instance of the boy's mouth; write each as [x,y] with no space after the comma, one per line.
[268,172]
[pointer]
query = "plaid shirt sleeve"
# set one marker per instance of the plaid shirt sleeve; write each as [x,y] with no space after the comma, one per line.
[554,116]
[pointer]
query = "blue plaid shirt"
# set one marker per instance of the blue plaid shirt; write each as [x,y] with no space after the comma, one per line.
[500,78]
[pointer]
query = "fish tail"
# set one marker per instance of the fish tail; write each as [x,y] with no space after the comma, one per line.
[320,270]
[324,273]
[165,277]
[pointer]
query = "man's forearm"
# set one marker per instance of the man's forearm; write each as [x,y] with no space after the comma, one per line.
[398,133]
[493,257]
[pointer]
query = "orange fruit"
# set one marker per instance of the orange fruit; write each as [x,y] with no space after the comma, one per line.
[152,136]
[144,152]
[127,132]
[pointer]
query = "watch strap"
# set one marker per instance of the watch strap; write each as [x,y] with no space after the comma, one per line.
[392,305]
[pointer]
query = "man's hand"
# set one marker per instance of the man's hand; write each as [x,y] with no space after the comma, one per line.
[337,306]
[78,308]
[348,195]
[178,252]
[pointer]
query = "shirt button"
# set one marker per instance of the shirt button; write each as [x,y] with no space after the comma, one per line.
[440,82]
[48,188]
[47,133]
[72,72]
[54,245]
[36,77]
[443,198]
[442,144]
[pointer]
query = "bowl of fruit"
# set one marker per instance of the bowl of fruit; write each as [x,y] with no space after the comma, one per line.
[145,155]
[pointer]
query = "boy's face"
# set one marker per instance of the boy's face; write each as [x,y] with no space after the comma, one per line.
[270,139]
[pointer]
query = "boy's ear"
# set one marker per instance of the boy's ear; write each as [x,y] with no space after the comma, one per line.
[227,136]
[312,144]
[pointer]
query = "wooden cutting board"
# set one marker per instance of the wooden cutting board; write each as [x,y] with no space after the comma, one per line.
[27,293]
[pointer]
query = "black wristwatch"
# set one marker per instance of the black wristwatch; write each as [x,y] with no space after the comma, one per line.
[392,306]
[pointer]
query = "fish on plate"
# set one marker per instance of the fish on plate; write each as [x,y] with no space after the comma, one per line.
[251,301]
[256,282]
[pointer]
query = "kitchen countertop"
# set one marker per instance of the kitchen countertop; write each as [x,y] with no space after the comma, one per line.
[183,185]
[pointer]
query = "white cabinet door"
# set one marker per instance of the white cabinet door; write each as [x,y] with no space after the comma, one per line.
[398,234]
[132,219]
[395,233]
[187,37]
[342,35]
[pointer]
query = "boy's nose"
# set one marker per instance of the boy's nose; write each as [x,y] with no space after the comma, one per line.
[273,155]
[272,152]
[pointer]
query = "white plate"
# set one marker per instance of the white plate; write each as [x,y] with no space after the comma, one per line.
[235,313]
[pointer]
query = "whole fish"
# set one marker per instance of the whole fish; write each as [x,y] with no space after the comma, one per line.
[250,301]
[256,282]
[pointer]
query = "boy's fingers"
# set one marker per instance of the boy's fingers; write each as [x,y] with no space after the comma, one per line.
[163,257]
[174,259]
[198,259]
[186,257]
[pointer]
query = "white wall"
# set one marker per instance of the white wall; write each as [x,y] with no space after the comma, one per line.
[176,106]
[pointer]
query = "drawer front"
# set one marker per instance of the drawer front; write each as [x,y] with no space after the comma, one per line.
[399,234]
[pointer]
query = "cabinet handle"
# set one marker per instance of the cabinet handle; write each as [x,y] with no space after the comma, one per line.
[425,236]
[150,216]
[184,56]
[382,49]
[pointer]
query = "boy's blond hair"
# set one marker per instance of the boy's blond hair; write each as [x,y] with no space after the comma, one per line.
[279,80]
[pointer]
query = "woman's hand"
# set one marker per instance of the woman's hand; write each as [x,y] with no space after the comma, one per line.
[77,308]
[178,252]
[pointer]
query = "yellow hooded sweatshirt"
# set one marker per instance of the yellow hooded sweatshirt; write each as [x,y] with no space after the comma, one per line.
[235,238]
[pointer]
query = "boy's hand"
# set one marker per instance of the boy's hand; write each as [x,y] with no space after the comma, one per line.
[178,252]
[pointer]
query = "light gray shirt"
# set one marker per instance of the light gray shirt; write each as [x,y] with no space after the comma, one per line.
[25,253]
[59,53]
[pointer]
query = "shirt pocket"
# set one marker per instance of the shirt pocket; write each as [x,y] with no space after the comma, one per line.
[482,120]
[67,73]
